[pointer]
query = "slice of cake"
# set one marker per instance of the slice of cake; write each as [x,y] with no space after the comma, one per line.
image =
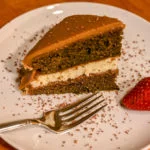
[77,55]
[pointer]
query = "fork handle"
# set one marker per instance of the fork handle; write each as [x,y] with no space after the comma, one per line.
[4,127]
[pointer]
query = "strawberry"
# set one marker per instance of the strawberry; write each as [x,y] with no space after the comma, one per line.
[139,97]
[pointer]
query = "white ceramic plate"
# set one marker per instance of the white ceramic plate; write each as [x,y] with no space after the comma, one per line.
[115,127]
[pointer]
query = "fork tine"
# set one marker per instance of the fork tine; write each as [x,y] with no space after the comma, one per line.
[77,103]
[85,118]
[79,114]
[82,106]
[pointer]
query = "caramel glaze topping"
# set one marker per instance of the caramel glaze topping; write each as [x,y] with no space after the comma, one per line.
[69,30]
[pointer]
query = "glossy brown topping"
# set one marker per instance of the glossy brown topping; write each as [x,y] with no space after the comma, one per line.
[27,78]
[70,29]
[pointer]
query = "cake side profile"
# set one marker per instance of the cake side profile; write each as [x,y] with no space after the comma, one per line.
[77,55]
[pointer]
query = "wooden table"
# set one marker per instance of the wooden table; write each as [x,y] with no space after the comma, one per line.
[9,9]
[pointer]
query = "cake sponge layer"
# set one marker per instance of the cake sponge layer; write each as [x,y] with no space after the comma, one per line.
[91,49]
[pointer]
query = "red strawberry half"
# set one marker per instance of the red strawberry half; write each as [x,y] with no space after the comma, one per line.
[139,97]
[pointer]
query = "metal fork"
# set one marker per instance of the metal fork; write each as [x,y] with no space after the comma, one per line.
[62,119]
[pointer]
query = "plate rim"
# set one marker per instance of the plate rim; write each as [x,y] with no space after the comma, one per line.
[14,20]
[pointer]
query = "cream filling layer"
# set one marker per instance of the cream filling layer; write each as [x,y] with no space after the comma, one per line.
[74,72]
